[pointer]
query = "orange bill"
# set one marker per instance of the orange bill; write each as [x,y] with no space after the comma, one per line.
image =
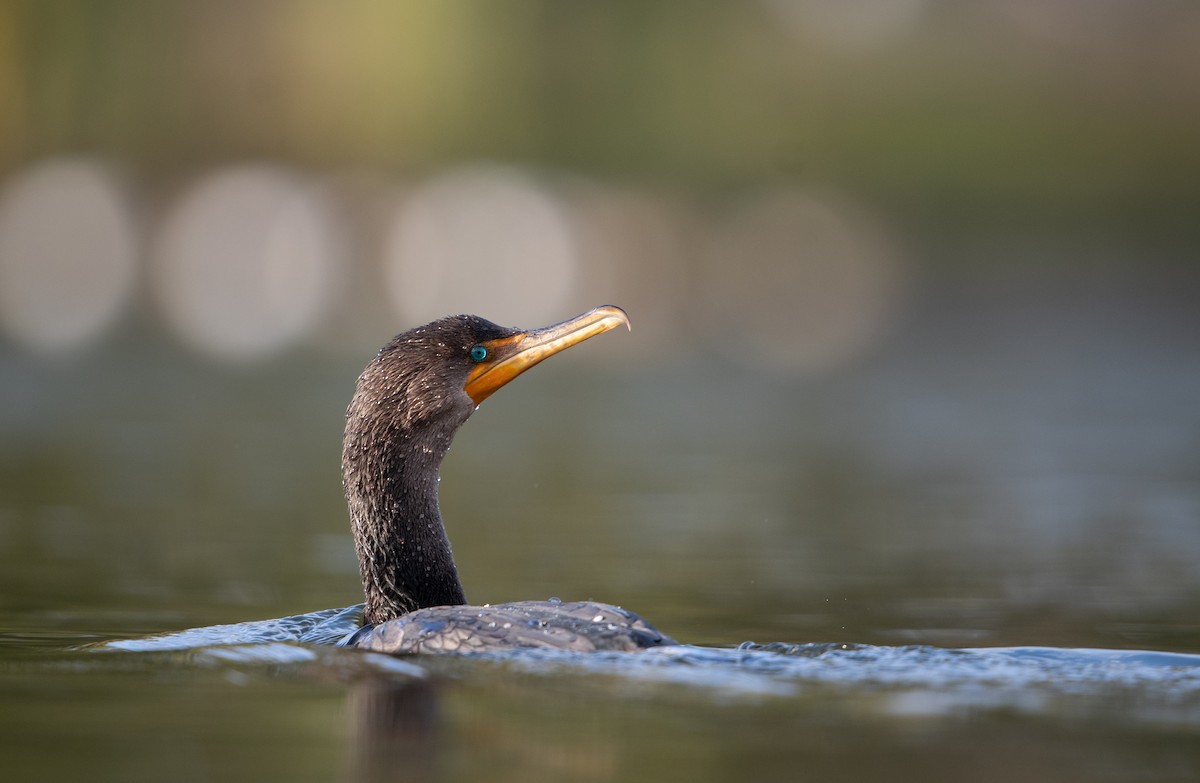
[508,357]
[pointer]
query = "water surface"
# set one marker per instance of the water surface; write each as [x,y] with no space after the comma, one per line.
[976,550]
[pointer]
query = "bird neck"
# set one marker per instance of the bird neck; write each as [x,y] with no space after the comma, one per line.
[404,553]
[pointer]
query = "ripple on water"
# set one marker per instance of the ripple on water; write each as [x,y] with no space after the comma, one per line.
[324,627]
[1143,685]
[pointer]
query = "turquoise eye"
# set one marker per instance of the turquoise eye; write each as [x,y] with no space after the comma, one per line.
[479,353]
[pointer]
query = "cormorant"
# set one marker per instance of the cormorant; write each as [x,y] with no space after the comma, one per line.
[408,403]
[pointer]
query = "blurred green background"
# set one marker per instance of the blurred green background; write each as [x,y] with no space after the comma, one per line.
[988,112]
[913,286]
[927,234]
[846,152]
[212,214]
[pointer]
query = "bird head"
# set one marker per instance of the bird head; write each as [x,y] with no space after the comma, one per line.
[445,369]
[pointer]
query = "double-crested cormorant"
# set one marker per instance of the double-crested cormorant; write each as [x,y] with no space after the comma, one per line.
[409,401]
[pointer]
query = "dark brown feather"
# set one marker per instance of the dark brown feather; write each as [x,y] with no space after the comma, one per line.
[407,405]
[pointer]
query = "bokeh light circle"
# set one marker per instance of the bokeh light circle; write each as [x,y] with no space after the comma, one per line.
[850,25]
[68,255]
[483,240]
[798,282]
[244,262]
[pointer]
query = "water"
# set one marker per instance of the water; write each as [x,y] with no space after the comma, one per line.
[927,679]
[236,702]
[197,709]
[972,556]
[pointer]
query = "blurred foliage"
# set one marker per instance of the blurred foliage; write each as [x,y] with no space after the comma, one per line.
[996,110]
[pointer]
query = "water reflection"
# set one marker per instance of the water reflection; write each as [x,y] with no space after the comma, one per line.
[596,715]
[396,728]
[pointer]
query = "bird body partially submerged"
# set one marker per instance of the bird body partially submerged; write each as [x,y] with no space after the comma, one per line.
[580,626]
[408,403]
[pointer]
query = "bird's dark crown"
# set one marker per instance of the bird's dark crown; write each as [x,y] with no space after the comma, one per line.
[421,372]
